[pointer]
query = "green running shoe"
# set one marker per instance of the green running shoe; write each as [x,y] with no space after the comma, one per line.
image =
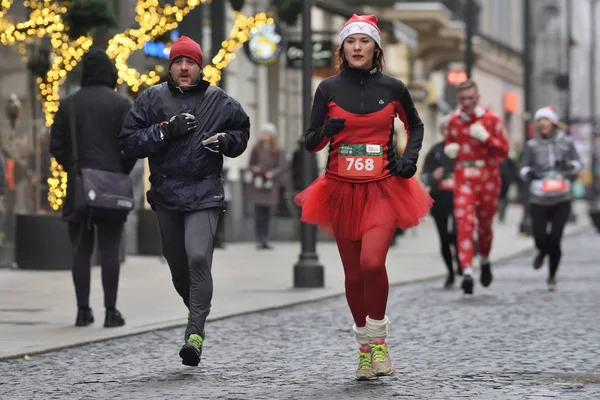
[364,372]
[381,363]
[191,351]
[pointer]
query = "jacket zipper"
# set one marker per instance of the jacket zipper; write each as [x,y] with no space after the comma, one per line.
[551,156]
[361,94]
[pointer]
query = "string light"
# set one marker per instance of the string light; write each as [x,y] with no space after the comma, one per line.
[4,7]
[46,19]
[242,27]
[153,19]
[58,185]
[239,34]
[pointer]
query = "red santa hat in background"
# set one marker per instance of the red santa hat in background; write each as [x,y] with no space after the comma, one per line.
[361,24]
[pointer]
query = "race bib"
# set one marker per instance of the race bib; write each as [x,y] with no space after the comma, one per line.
[473,170]
[360,160]
[446,184]
[472,173]
[554,185]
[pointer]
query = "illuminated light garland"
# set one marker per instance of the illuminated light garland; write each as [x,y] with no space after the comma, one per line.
[46,19]
[153,19]
[4,7]
[240,34]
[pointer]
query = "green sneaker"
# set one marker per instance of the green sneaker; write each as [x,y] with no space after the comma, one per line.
[381,363]
[363,372]
[191,351]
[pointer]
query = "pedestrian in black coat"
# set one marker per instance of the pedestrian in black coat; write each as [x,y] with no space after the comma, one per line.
[99,113]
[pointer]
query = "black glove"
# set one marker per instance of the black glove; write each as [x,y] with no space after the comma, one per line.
[216,143]
[534,174]
[562,165]
[333,126]
[179,125]
[404,169]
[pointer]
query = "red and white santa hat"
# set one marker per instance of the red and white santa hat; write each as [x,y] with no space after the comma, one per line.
[546,112]
[361,24]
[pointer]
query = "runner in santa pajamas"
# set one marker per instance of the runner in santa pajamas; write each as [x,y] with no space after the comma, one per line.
[476,140]
[368,190]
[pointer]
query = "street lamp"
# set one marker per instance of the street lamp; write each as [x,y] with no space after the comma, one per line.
[308,272]
[469,18]
[594,211]
[593,81]
[525,225]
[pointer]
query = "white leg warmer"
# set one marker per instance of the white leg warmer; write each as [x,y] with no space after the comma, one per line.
[361,335]
[377,330]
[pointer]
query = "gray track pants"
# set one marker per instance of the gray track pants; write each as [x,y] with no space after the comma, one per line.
[187,240]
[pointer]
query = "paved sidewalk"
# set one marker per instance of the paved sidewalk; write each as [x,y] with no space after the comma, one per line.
[511,341]
[37,308]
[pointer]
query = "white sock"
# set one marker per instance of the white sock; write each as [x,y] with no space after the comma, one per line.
[377,330]
[468,271]
[361,335]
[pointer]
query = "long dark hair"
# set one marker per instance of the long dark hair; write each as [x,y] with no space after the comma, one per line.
[378,59]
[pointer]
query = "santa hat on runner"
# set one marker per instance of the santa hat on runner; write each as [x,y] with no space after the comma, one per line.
[361,24]
[547,112]
[185,47]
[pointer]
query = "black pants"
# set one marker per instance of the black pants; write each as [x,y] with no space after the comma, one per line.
[547,241]
[443,215]
[262,218]
[220,235]
[187,240]
[503,202]
[83,239]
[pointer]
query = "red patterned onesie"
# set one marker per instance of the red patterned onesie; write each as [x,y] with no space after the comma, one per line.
[477,177]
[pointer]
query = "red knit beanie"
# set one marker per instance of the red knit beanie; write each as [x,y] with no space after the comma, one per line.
[185,47]
[363,24]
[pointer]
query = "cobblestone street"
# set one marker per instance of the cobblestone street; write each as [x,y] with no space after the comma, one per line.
[514,340]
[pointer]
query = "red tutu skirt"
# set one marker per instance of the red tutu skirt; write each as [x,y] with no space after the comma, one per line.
[347,210]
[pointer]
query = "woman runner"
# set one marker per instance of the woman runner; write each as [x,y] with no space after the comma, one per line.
[366,191]
[550,163]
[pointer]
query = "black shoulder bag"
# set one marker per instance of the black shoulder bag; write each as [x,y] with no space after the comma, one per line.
[97,192]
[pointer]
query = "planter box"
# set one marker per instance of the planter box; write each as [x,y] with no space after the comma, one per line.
[42,242]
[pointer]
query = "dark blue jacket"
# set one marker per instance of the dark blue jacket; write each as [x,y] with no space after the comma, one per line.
[184,176]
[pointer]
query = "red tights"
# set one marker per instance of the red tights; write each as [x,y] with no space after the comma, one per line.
[367,283]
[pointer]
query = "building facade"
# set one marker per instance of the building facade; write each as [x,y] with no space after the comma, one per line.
[438,62]
[424,46]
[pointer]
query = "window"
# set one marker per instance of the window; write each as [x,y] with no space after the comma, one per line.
[518,27]
[501,21]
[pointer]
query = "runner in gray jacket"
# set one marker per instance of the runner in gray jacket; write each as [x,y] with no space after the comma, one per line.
[550,164]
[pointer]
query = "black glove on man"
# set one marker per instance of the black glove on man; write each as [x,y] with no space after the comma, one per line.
[216,143]
[404,169]
[333,126]
[179,125]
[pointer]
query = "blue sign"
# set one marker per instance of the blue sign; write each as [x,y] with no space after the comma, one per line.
[160,49]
